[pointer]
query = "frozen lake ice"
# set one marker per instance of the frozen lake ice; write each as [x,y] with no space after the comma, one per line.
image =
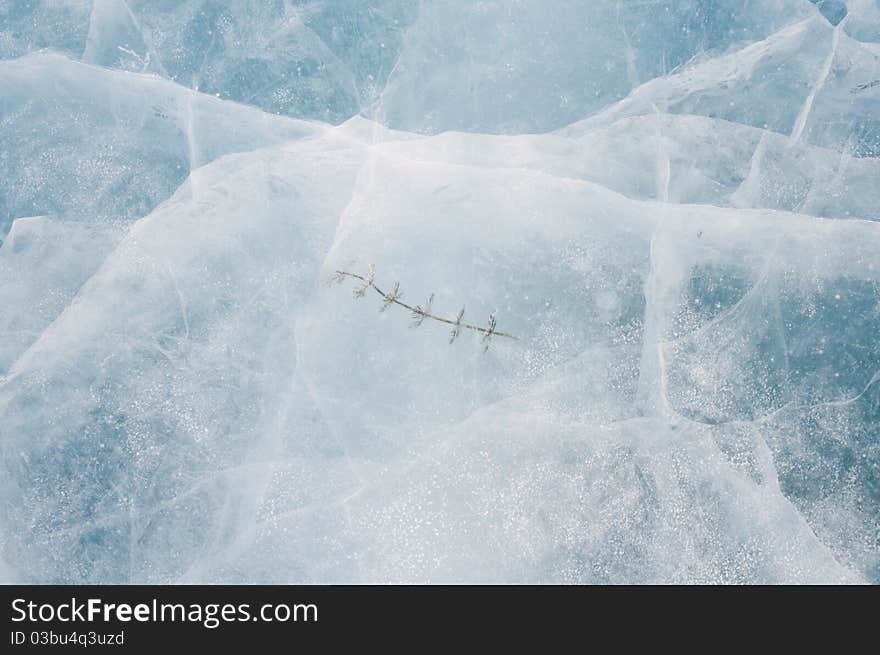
[674,205]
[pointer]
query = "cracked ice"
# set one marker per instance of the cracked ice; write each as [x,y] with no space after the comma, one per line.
[674,205]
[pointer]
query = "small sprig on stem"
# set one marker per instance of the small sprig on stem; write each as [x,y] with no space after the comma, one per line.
[457,329]
[487,336]
[361,290]
[418,312]
[391,297]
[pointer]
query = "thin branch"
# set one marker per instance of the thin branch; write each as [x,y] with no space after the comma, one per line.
[419,313]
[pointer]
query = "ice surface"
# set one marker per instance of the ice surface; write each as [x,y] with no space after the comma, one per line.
[801,81]
[673,205]
[86,143]
[43,263]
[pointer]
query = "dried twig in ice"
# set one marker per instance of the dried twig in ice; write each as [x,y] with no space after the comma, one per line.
[418,312]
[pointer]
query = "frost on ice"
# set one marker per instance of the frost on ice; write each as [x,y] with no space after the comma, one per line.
[674,206]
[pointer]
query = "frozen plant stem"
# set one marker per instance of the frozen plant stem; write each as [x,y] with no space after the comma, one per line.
[419,313]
